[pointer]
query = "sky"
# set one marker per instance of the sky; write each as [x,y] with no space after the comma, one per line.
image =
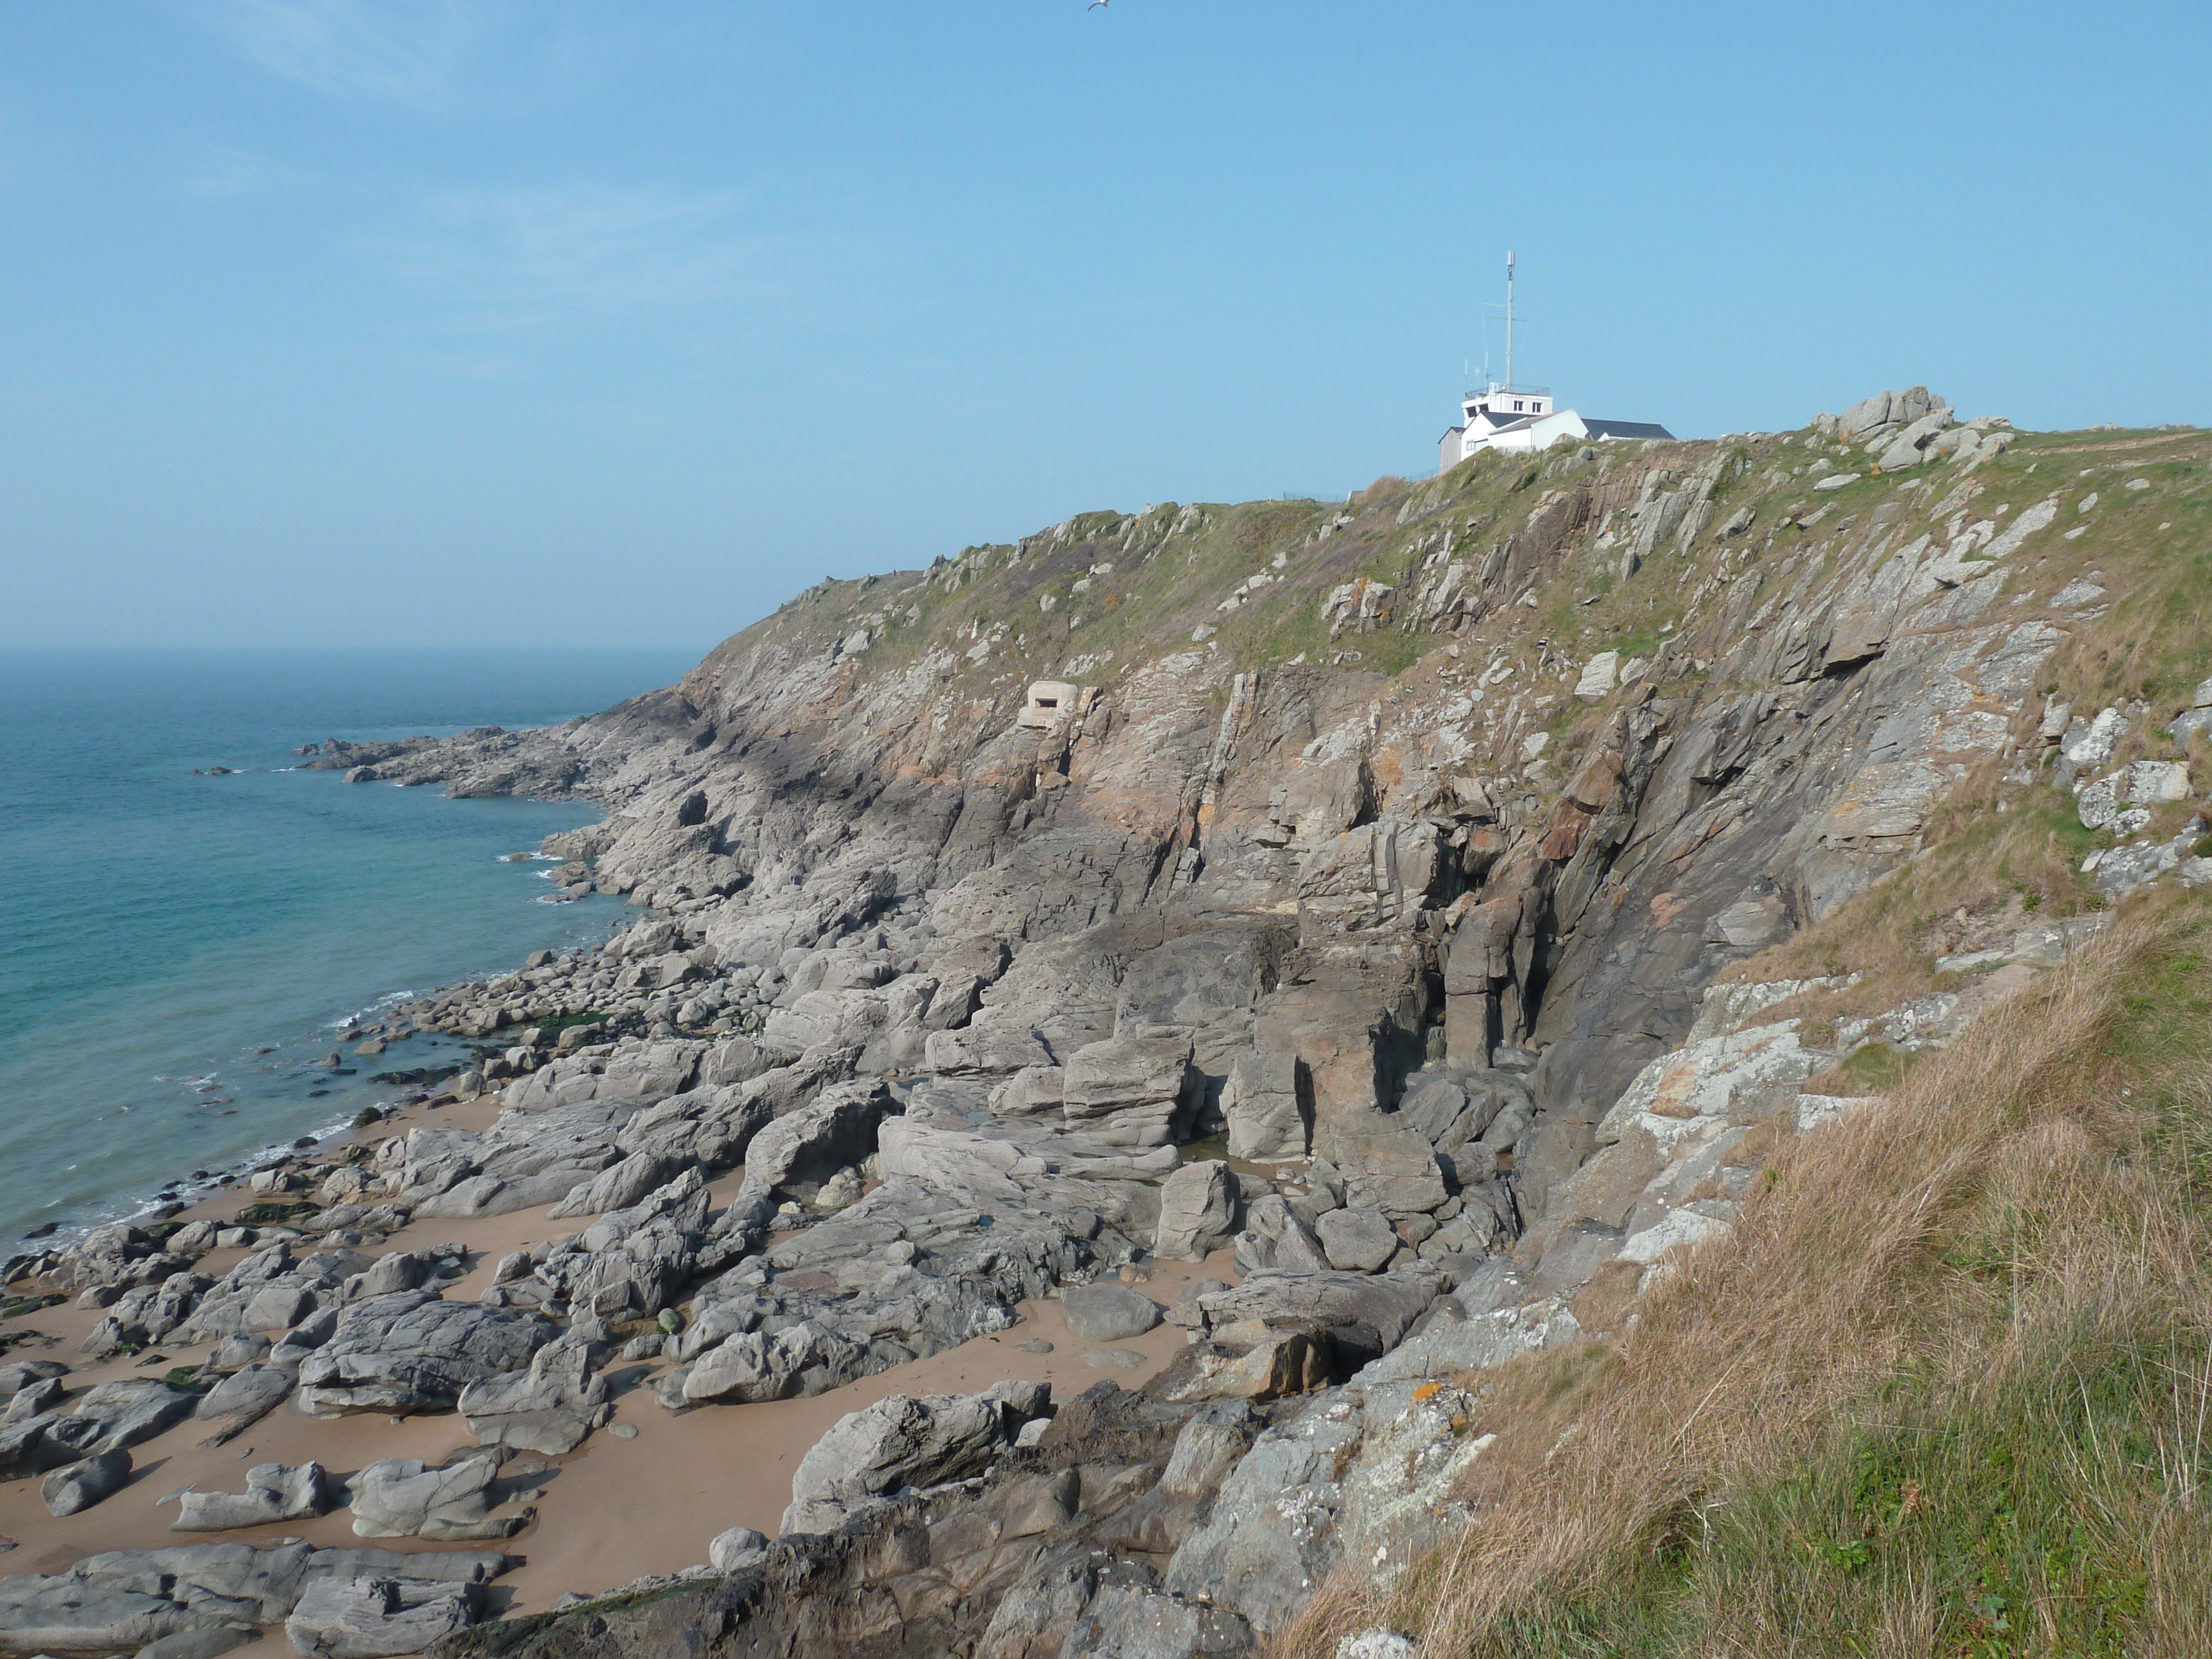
[514,322]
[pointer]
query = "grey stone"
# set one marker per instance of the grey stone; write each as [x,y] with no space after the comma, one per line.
[1358,1240]
[47,1441]
[82,1485]
[1277,1237]
[401,1270]
[736,1549]
[405,1497]
[906,1440]
[838,1130]
[1131,1622]
[132,1413]
[372,1618]
[1365,1314]
[273,1492]
[1208,1447]
[244,1397]
[1270,1537]
[34,1399]
[1124,1360]
[1375,1644]
[803,1358]
[122,1599]
[412,1351]
[1387,1163]
[547,1408]
[616,1188]
[1268,1106]
[1129,1091]
[1108,1313]
[20,1376]
[1197,1212]
[235,1353]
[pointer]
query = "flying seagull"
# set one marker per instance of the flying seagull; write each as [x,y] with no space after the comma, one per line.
[1095,4]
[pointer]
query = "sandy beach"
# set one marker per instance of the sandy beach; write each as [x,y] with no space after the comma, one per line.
[620,1507]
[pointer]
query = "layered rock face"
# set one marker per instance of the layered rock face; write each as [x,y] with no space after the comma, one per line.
[1346,889]
[1215,891]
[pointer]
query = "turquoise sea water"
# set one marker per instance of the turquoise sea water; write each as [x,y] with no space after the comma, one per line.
[159,932]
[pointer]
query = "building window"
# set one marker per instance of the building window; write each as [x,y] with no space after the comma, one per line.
[1517,405]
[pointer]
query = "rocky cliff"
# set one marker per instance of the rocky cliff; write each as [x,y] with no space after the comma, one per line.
[1402,893]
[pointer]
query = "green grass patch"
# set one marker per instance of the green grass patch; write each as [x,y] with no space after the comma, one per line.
[269,1213]
[1877,1068]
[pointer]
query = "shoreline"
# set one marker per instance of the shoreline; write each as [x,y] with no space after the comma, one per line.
[142,1201]
[617,1508]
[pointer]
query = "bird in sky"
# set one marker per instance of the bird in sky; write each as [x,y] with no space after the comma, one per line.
[1096,4]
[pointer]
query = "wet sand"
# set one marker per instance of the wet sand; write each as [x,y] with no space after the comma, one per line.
[614,1510]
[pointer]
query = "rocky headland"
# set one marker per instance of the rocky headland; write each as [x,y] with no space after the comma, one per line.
[1133,1034]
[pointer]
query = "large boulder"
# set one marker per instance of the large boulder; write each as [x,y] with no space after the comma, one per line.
[906,1440]
[1268,1105]
[413,1351]
[15,1378]
[753,1366]
[1108,1313]
[1387,1163]
[449,1502]
[244,1397]
[547,1408]
[373,1618]
[1276,1237]
[82,1485]
[1131,1621]
[1130,1091]
[815,1141]
[1197,1212]
[616,1189]
[48,1441]
[1356,1240]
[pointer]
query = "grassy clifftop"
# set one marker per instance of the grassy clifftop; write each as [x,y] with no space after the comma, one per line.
[1945,1391]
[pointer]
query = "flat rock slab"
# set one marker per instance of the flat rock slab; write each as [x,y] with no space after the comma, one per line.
[124,1599]
[412,1351]
[374,1618]
[1123,1359]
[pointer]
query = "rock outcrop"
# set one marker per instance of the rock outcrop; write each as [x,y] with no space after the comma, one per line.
[1364,891]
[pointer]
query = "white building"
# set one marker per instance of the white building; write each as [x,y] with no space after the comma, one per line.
[1523,418]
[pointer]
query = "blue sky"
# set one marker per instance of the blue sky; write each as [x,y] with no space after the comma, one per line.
[417,323]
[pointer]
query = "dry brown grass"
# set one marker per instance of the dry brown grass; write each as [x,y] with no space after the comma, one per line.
[2009,1219]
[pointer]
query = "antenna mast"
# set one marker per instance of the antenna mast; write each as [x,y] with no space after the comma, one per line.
[1509,319]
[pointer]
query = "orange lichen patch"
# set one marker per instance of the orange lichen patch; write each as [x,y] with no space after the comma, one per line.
[1428,1390]
[1665,907]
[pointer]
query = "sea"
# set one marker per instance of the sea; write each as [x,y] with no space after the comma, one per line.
[178,949]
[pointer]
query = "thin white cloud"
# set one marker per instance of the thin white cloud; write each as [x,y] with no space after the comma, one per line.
[222,170]
[519,258]
[414,52]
